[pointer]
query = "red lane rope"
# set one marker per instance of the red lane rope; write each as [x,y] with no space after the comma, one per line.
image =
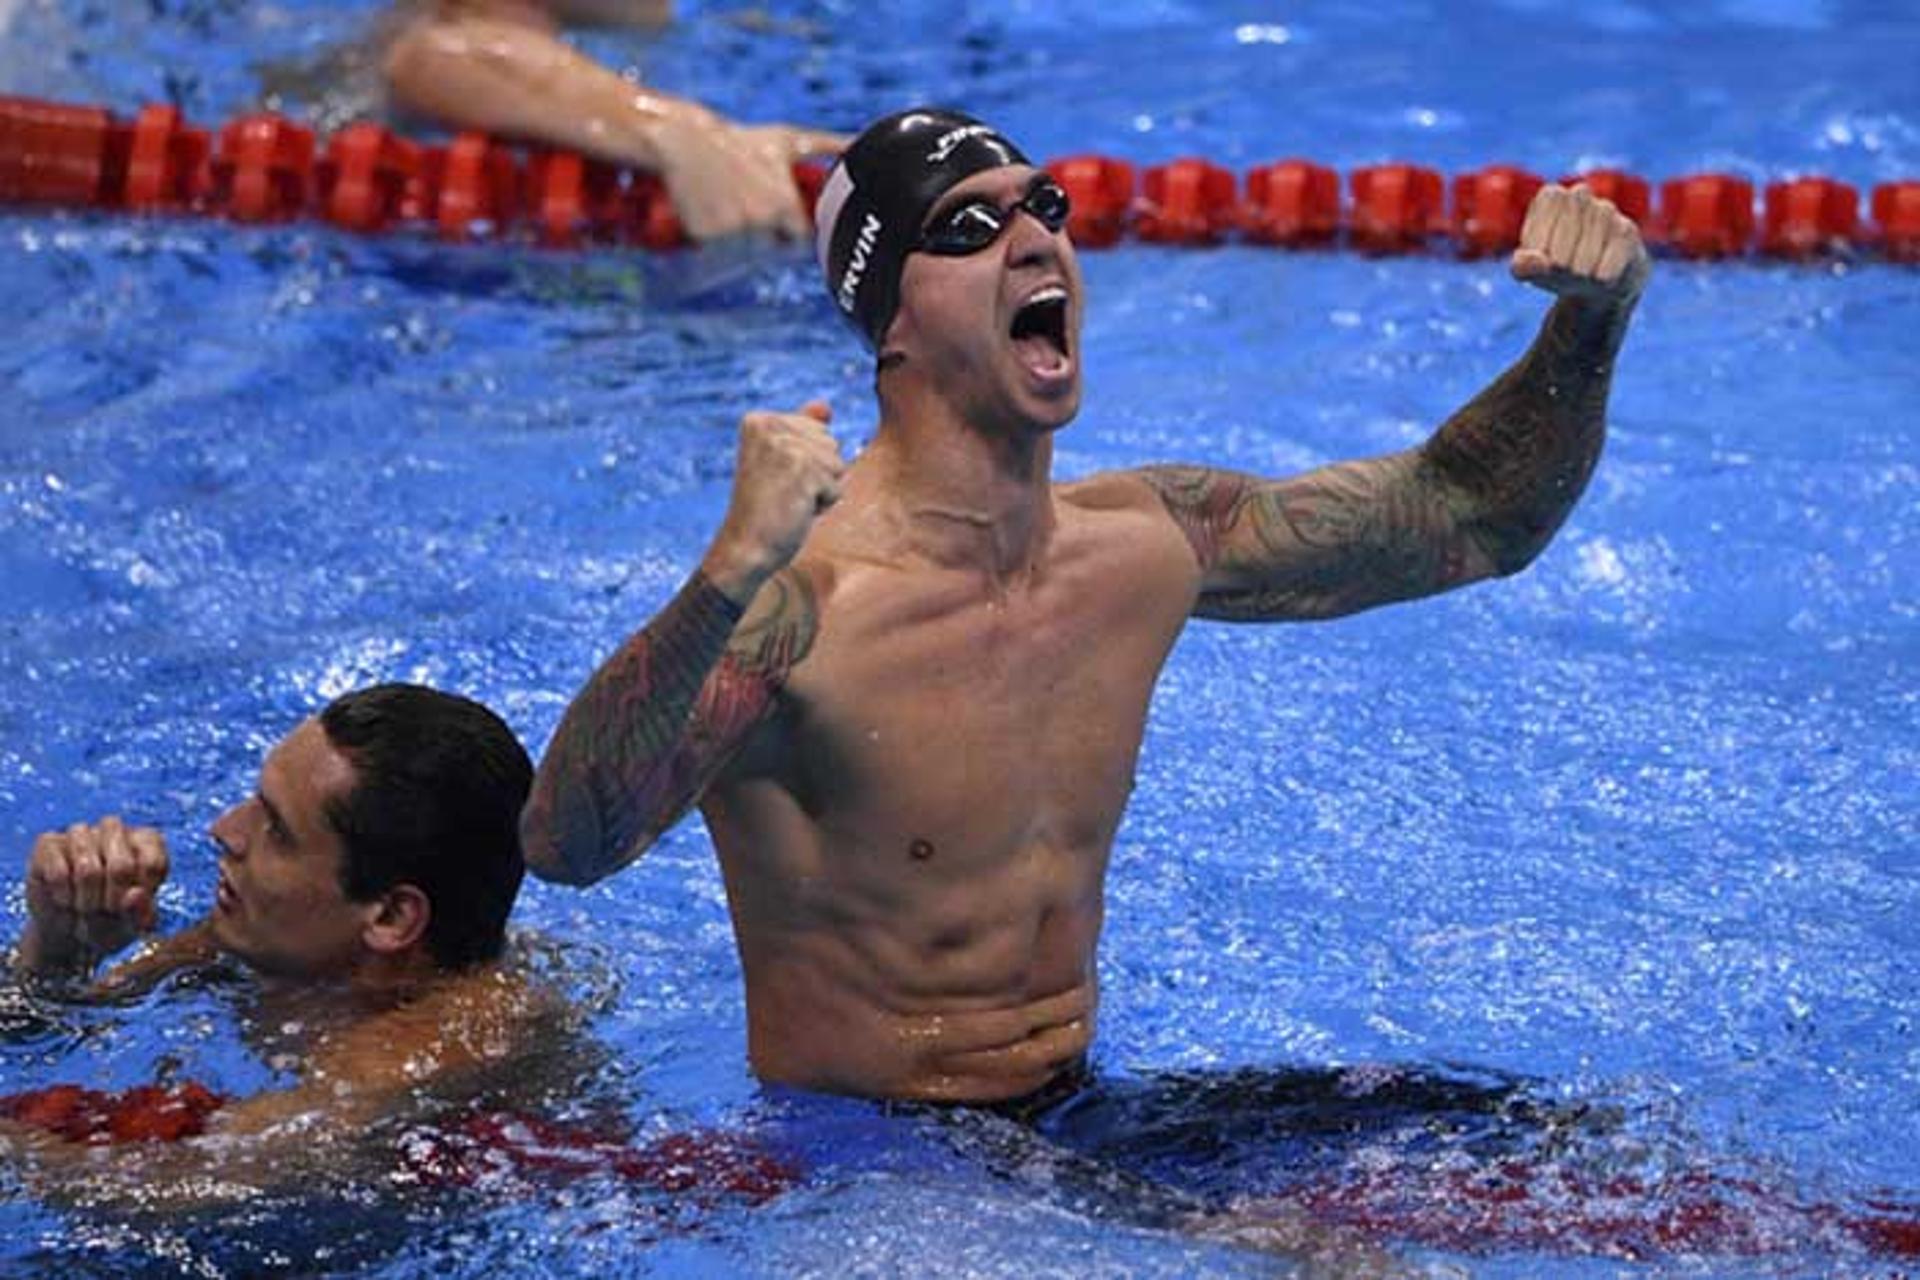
[479,1148]
[263,168]
[500,1148]
[1518,1205]
[1512,1205]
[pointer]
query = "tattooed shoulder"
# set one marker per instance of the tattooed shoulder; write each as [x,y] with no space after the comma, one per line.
[1203,501]
[779,627]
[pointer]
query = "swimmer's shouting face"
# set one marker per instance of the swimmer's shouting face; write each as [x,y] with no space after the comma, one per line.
[990,302]
[948,251]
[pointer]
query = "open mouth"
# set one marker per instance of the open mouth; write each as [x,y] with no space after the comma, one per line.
[224,897]
[1039,331]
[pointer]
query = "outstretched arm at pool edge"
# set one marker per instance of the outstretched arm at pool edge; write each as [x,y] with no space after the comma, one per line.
[661,717]
[503,67]
[1480,498]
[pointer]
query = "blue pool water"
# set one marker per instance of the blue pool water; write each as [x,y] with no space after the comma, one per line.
[1639,825]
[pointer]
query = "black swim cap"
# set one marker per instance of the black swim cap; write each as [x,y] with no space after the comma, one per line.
[879,193]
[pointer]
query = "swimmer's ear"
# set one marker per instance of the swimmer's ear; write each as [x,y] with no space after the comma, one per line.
[399,921]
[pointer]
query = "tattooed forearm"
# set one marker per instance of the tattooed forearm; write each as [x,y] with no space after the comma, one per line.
[657,722]
[1518,456]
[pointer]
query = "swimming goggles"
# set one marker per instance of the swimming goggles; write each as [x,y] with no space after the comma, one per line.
[971,227]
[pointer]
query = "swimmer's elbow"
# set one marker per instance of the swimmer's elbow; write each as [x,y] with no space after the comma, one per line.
[1503,553]
[549,864]
[550,853]
[440,66]
[411,62]
[564,852]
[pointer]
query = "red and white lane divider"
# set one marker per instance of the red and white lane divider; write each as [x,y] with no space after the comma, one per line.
[264,168]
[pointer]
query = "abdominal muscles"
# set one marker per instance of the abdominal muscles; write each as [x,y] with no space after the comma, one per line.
[951,987]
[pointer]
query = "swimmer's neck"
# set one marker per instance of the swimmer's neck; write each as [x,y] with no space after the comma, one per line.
[373,982]
[961,498]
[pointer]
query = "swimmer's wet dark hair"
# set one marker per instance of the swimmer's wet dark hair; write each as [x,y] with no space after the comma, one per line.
[439,784]
[878,195]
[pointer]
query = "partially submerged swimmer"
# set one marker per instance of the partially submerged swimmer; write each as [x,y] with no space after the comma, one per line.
[502,66]
[908,694]
[367,882]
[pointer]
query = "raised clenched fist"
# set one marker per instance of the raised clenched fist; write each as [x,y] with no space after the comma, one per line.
[90,891]
[788,472]
[1576,245]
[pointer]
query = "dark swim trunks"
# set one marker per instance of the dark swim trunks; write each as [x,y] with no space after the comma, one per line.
[1159,1148]
[1465,1161]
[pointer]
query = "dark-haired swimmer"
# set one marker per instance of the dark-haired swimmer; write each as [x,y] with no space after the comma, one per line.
[908,695]
[501,66]
[367,880]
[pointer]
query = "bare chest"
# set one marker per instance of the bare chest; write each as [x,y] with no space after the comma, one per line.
[991,724]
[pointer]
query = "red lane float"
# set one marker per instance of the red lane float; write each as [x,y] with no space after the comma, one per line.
[264,168]
[1396,208]
[1187,202]
[96,1117]
[167,166]
[810,180]
[59,155]
[1706,215]
[479,189]
[572,199]
[1808,216]
[1896,214]
[1101,192]
[420,199]
[1294,203]
[363,179]
[1489,208]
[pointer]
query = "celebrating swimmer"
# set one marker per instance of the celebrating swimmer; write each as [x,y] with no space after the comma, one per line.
[368,879]
[908,693]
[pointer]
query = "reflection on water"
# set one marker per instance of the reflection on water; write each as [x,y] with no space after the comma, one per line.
[29,1023]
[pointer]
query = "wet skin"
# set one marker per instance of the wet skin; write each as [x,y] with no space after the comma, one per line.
[347,990]
[914,750]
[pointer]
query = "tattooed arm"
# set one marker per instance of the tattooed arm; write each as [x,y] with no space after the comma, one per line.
[661,717]
[1482,497]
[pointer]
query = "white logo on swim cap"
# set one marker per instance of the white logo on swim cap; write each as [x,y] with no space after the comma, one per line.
[944,146]
[857,263]
[826,215]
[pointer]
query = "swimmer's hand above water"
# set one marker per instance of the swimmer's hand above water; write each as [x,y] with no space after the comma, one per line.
[788,471]
[90,892]
[1578,246]
[727,179]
